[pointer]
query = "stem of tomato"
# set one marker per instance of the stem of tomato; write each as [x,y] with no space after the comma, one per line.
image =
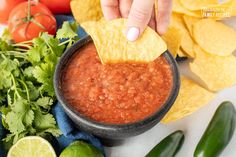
[29,11]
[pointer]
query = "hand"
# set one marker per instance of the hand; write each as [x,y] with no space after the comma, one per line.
[140,13]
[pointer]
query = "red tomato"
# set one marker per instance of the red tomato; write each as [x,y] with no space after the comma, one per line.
[58,6]
[23,28]
[5,8]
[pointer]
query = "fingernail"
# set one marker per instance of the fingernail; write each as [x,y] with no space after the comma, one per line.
[132,34]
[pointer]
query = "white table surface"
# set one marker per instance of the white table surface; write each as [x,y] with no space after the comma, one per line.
[193,125]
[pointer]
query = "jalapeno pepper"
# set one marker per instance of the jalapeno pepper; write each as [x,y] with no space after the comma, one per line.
[169,146]
[218,133]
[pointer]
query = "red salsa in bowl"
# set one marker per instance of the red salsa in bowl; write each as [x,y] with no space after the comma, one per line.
[115,93]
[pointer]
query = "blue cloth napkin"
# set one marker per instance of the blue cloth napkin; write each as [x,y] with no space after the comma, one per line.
[70,132]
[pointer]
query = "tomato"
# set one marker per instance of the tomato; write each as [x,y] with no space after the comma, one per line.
[5,8]
[23,27]
[58,6]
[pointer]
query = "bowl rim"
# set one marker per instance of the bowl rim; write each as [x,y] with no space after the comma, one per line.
[159,114]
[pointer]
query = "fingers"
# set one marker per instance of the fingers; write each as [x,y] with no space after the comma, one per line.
[152,22]
[125,6]
[140,13]
[110,9]
[139,17]
[163,15]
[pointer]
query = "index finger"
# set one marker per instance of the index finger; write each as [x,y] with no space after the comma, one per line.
[110,9]
[163,15]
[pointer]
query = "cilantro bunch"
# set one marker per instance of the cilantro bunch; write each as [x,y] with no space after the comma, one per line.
[26,83]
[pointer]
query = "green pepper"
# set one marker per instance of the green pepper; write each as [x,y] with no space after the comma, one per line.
[218,133]
[169,146]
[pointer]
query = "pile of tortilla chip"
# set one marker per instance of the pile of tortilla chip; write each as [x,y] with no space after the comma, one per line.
[196,22]
[195,32]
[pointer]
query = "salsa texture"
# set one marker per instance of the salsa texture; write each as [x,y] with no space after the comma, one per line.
[115,93]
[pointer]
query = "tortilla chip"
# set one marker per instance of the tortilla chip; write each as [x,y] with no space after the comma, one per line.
[176,20]
[189,22]
[216,72]
[173,38]
[178,8]
[182,53]
[233,8]
[86,10]
[191,97]
[187,42]
[215,37]
[113,46]
[198,4]
[188,45]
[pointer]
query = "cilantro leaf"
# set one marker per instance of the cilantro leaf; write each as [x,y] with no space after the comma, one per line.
[34,55]
[5,110]
[28,72]
[4,46]
[53,44]
[19,136]
[38,42]
[31,130]
[6,36]
[9,65]
[43,121]
[20,116]
[28,117]
[41,46]
[45,102]
[51,58]
[44,74]
[33,90]
[54,131]
[9,137]
[14,121]
[68,30]
[5,79]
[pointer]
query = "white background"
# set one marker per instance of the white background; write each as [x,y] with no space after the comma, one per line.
[193,126]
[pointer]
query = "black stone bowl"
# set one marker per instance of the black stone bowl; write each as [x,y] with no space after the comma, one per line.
[108,131]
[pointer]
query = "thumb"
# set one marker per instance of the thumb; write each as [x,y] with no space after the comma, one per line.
[139,17]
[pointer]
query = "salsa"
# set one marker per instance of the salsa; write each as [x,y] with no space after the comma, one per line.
[115,93]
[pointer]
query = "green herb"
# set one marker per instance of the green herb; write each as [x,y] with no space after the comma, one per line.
[69,35]
[26,83]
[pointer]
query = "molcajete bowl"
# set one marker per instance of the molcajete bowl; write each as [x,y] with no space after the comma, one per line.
[104,130]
